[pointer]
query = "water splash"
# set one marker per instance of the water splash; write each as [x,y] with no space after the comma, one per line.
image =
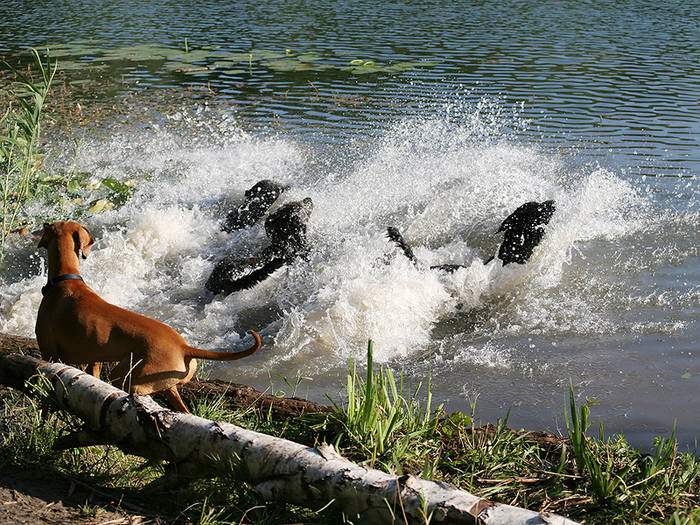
[446,183]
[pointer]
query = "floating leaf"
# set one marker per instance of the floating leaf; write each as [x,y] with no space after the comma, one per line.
[687,375]
[115,185]
[74,186]
[120,189]
[219,54]
[364,70]
[308,57]
[101,205]
[177,65]
[357,62]
[69,65]
[50,178]
[240,57]
[67,52]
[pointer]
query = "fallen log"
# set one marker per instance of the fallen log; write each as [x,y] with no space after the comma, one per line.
[280,470]
[238,395]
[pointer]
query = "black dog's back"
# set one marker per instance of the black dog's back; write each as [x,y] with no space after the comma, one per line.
[286,229]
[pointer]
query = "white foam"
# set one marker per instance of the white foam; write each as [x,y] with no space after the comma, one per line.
[446,187]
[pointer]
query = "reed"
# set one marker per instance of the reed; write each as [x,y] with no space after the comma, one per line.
[380,416]
[20,134]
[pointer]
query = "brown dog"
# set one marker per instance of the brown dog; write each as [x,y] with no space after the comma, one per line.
[76,326]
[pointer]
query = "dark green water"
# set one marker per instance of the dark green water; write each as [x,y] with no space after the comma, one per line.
[437,117]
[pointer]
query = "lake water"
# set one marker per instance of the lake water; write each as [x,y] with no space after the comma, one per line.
[434,117]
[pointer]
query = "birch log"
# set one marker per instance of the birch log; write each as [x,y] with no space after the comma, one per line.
[239,395]
[280,470]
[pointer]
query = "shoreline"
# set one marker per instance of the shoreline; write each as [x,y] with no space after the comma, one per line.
[504,463]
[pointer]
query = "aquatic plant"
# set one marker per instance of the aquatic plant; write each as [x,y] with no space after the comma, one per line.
[590,456]
[86,55]
[20,158]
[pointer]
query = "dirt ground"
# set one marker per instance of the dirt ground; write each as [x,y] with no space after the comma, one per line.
[29,497]
[36,496]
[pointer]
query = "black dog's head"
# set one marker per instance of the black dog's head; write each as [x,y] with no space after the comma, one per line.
[524,229]
[258,200]
[528,217]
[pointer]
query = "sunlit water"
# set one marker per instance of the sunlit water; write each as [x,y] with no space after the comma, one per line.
[595,108]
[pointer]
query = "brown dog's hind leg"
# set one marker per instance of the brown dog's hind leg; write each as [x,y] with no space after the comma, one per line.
[96,369]
[173,397]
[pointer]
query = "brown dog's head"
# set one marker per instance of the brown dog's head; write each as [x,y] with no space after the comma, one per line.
[82,240]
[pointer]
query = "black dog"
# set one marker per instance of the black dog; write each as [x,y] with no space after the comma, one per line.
[524,229]
[286,229]
[258,200]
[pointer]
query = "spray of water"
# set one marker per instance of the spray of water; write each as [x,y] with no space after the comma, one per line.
[446,184]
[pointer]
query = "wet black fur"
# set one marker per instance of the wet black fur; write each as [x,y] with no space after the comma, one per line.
[258,200]
[286,229]
[524,229]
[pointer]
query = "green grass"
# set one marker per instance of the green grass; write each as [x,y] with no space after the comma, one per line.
[383,423]
[380,420]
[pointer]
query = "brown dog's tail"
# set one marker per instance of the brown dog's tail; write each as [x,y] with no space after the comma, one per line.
[198,353]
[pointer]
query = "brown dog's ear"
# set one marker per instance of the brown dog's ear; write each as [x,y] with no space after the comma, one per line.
[84,241]
[44,241]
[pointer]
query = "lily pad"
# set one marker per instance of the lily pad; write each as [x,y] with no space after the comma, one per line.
[219,54]
[241,57]
[68,65]
[308,57]
[178,66]
[365,70]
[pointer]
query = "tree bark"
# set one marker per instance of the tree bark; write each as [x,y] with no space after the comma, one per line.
[280,470]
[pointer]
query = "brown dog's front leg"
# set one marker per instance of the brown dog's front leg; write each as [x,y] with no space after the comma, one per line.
[96,370]
[173,397]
